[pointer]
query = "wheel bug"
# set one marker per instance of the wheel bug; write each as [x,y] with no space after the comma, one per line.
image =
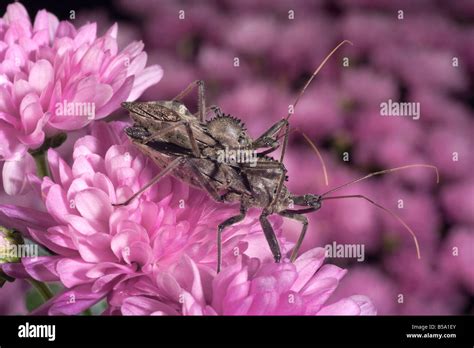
[187,146]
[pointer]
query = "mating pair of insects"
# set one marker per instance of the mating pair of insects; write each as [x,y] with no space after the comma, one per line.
[187,147]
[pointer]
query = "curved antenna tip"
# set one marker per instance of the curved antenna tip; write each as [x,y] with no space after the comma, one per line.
[318,153]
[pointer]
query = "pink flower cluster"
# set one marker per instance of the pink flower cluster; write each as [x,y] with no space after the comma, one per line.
[56,77]
[249,288]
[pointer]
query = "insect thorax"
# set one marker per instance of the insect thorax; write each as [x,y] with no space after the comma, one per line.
[229,131]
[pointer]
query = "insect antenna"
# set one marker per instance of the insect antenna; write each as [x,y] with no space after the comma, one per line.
[286,128]
[318,153]
[315,73]
[387,211]
[314,148]
[300,94]
[391,170]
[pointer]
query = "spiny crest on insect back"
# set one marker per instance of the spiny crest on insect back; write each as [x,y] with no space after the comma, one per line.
[229,131]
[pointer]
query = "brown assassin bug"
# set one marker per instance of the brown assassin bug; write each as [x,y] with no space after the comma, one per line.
[187,146]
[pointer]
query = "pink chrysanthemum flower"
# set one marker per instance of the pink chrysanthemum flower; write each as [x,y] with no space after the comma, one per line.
[49,69]
[100,249]
[250,287]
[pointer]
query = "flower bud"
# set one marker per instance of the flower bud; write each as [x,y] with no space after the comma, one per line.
[9,239]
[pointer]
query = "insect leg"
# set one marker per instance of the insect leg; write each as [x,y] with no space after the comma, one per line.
[192,140]
[153,181]
[201,101]
[270,150]
[267,139]
[304,220]
[270,236]
[276,196]
[273,130]
[188,89]
[201,97]
[230,221]
[217,111]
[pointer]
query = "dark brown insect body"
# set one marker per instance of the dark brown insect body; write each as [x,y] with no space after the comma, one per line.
[190,148]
